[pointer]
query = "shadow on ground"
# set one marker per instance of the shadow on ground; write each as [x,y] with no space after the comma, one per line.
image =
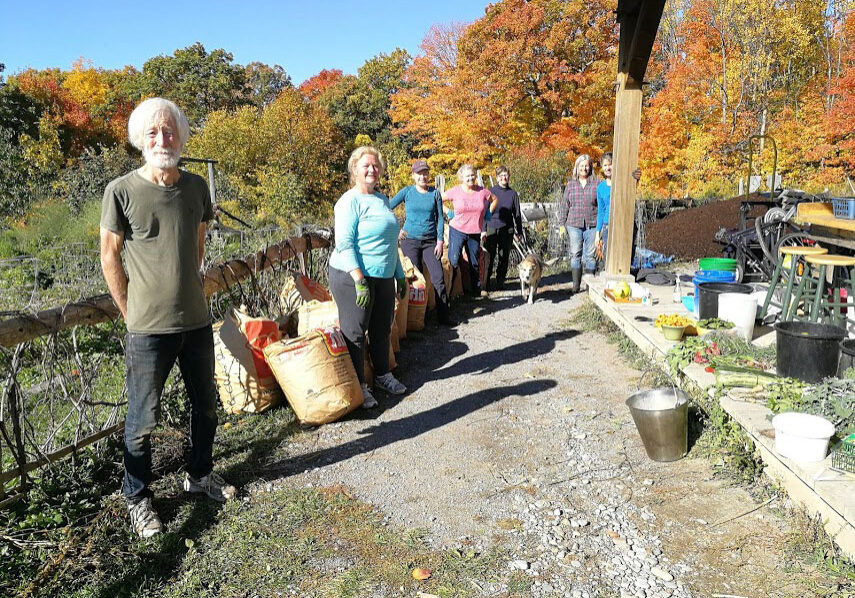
[386,433]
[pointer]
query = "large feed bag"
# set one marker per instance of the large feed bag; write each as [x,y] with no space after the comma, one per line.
[316,374]
[245,382]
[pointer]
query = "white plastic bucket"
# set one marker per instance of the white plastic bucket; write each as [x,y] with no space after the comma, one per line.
[802,437]
[741,310]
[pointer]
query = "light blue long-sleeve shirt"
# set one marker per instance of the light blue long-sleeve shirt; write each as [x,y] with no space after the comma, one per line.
[366,236]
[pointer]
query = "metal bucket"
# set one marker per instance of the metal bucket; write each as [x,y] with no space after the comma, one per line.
[661,416]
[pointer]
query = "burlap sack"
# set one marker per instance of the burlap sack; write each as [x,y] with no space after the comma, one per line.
[429,291]
[316,314]
[393,338]
[317,375]
[401,306]
[417,302]
[244,380]
[299,289]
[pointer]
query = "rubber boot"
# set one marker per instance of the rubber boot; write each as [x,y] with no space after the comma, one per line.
[577,279]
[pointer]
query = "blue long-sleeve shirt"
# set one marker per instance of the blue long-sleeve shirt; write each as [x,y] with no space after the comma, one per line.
[604,198]
[366,236]
[424,212]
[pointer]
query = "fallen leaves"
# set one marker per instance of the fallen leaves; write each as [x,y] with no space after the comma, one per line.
[421,573]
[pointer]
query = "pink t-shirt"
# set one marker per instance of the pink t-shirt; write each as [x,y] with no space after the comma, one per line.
[469,208]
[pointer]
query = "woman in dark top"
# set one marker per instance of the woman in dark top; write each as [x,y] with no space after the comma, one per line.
[501,228]
[422,234]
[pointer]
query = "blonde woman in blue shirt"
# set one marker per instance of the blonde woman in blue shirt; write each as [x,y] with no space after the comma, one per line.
[365,272]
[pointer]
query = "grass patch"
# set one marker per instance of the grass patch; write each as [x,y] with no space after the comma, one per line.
[289,541]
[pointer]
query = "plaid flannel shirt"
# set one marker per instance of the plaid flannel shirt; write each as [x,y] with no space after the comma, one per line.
[579,204]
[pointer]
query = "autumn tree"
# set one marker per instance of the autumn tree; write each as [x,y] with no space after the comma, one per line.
[526,71]
[285,161]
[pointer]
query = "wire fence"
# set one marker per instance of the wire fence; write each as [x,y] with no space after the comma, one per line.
[63,372]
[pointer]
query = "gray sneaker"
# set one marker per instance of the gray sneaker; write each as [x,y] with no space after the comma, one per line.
[368,400]
[144,518]
[211,485]
[390,384]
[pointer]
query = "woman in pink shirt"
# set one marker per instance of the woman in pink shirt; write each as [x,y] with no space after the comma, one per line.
[468,227]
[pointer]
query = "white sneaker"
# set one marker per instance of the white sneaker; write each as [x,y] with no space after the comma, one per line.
[368,400]
[144,518]
[390,384]
[211,485]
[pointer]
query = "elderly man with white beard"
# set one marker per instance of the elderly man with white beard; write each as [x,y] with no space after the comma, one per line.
[157,215]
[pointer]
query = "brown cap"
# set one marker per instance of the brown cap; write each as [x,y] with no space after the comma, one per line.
[420,165]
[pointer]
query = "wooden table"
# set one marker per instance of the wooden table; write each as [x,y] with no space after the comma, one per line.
[823,226]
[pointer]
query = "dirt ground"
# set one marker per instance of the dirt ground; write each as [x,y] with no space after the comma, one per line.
[689,234]
[516,412]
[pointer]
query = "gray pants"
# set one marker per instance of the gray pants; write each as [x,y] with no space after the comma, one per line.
[375,320]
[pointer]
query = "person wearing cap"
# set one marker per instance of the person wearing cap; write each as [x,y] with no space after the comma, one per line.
[503,226]
[422,234]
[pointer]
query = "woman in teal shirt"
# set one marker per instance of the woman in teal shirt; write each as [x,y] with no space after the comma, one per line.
[421,238]
[365,270]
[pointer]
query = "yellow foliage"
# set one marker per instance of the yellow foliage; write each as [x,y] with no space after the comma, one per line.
[86,85]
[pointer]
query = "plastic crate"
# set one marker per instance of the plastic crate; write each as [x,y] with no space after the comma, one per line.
[843,457]
[844,207]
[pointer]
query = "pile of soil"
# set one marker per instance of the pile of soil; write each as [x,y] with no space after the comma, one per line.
[690,234]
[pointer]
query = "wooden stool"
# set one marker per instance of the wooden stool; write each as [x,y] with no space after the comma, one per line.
[796,255]
[812,288]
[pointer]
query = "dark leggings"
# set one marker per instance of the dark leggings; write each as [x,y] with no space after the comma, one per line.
[375,319]
[421,253]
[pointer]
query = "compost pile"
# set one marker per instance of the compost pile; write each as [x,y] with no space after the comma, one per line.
[690,234]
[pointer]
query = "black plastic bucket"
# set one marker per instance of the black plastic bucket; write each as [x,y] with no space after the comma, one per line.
[847,356]
[708,293]
[807,351]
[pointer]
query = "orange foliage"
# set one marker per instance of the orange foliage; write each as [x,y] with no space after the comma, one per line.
[316,85]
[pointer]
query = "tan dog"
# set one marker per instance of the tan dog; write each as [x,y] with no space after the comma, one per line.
[530,270]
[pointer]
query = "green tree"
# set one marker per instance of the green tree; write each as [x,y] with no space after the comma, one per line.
[197,80]
[265,83]
[361,104]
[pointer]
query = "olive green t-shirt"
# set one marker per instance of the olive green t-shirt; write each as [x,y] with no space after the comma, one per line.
[161,249]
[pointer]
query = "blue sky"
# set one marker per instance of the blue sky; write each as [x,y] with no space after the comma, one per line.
[301,36]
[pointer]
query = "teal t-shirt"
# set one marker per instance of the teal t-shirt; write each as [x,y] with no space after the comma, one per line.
[366,236]
[424,212]
[160,227]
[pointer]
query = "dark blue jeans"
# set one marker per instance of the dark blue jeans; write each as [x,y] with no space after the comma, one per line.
[149,359]
[456,241]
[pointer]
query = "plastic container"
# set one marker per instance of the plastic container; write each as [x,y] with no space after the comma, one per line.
[708,293]
[661,416]
[847,356]
[722,264]
[802,437]
[844,207]
[702,276]
[741,309]
[673,333]
[808,351]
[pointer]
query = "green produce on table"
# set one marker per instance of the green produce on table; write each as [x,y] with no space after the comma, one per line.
[715,324]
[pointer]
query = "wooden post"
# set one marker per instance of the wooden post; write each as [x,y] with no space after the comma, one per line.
[625,151]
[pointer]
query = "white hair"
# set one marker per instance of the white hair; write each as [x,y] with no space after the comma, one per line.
[578,163]
[463,169]
[144,115]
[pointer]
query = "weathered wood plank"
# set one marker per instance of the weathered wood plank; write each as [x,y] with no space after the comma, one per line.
[622,207]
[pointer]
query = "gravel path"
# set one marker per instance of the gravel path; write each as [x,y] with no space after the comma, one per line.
[514,431]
